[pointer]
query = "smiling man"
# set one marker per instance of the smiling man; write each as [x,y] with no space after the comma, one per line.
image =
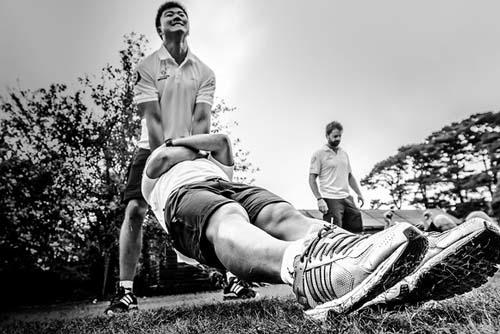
[174,92]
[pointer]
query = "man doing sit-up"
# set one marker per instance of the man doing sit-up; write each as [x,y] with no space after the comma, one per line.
[260,237]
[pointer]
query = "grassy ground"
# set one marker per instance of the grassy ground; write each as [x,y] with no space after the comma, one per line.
[475,312]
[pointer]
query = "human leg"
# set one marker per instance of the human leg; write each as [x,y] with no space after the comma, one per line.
[130,239]
[272,213]
[358,267]
[333,269]
[284,222]
[242,248]
[351,220]
[335,213]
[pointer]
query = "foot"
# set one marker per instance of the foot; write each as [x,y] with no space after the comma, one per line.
[238,289]
[339,271]
[123,301]
[457,261]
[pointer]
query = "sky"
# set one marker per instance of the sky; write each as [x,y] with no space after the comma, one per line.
[390,71]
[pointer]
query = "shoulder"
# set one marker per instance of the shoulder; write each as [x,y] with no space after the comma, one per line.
[319,152]
[149,62]
[204,69]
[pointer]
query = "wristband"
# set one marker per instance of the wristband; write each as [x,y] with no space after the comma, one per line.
[320,198]
[168,142]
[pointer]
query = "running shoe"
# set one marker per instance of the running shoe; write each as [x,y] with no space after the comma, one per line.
[339,271]
[123,301]
[238,289]
[457,261]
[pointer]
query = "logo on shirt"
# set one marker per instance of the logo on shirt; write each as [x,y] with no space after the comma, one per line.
[163,70]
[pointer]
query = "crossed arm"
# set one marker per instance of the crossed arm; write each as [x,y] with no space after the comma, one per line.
[189,148]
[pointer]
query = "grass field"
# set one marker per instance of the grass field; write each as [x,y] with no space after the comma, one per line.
[475,312]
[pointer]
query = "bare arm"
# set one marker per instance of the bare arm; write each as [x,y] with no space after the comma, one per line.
[201,118]
[218,145]
[151,111]
[322,206]
[354,185]
[168,157]
[314,185]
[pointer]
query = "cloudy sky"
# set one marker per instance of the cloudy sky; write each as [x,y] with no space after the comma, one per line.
[391,71]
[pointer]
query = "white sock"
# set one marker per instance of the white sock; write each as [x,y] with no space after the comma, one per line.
[287,270]
[127,285]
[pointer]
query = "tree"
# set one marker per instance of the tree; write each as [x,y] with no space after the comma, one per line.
[453,168]
[244,170]
[389,174]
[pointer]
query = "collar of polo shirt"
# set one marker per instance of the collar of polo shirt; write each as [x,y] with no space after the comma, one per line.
[328,148]
[163,54]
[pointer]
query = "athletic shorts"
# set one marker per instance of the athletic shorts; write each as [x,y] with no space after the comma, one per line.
[135,169]
[189,208]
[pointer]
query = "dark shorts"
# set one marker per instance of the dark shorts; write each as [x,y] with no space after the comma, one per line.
[135,169]
[189,208]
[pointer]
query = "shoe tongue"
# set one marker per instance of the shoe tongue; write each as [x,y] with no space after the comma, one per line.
[335,241]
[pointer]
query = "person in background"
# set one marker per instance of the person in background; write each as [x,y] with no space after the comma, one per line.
[330,176]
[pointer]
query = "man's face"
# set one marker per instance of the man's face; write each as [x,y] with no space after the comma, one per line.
[173,20]
[334,138]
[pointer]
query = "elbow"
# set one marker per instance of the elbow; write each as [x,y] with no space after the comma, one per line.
[201,122]
[223,140]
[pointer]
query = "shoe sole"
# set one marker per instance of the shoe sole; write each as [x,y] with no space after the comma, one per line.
[399,265]
[458,269]
[131,308]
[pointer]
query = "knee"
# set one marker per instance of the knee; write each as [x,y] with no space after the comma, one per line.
[284,212]
[135,212]
[221,223]
[231,209]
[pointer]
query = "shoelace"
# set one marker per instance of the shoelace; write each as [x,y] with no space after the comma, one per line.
[342,242]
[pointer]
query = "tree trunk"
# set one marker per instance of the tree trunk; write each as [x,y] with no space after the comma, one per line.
[107,260]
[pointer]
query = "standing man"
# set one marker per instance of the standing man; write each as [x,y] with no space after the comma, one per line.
[174,93]
[330,167]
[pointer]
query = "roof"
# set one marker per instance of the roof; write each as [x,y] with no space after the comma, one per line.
[374,219]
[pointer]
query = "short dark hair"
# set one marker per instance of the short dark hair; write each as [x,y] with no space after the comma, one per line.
[333,125]
[164,7]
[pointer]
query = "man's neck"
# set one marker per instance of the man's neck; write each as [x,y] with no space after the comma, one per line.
[333,148]
[177,48]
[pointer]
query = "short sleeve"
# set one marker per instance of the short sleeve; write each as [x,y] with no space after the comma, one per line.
[144,85]
[207,90]
[349,170]
[315,166]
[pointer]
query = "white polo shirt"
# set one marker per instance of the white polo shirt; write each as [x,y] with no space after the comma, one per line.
[333,172]
[177,88]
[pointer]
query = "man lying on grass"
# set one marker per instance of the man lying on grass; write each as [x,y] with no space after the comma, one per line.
[261,237]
